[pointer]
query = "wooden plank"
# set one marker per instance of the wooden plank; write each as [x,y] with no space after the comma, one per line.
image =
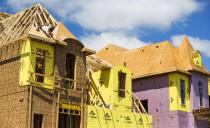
[27,21]
[204,112]
[50,17]
[44,16]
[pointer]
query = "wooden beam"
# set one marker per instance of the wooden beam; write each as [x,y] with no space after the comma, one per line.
[57,110]
[30,106]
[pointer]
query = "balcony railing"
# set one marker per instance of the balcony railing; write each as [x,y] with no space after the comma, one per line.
[52,81]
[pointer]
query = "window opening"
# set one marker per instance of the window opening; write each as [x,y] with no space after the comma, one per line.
[70,70]
[122,80]
[200,89]
[182,91]
[145,105]
[40,64]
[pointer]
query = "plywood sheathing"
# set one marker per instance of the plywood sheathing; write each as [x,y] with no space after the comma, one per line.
[153,59]
[97,63]
[63,33]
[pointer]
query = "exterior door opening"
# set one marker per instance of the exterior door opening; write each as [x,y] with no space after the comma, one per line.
[69,121]
[38,119]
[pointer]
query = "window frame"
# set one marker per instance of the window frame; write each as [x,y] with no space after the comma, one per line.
[200,95]
[121,84]
[70,74]
[183,92]
[38,77]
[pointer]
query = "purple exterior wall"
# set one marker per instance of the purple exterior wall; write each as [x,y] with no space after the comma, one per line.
[195,78]
[194,97]
[155,90]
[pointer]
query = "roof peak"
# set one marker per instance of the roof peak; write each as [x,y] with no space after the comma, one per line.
[166,42]
[21,23]
[186,44]
[115,46]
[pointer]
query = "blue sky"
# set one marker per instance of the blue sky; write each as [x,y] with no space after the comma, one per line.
[130,23]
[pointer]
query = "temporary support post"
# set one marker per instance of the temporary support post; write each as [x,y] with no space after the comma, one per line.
[82,109]
[30,106]
[58,105]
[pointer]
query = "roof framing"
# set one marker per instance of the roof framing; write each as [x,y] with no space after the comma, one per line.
[18,25]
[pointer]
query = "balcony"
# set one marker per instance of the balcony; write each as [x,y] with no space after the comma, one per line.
[52,82]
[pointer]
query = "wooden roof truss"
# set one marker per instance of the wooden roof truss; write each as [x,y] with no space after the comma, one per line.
[17,26]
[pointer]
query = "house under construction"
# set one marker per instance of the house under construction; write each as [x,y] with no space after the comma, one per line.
[172,82]
[46,83]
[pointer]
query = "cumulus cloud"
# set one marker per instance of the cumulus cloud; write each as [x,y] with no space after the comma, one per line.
[202,45]
[98,41]
[116,21]
[106,15]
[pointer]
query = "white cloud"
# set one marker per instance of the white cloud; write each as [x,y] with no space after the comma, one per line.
[107,15]
[98,41]
[115,21]
[202,45]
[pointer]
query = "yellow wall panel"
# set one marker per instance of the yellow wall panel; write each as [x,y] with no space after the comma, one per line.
[25,61]
[99,117]
[197,59]
[175,93]
[49,61]
[107,84]
[120,114]
[70,107]
[28,61]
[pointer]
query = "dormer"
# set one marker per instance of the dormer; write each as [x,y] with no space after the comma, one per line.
[197,59]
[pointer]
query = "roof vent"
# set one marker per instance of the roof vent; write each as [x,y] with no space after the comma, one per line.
[157,46]
[125,64]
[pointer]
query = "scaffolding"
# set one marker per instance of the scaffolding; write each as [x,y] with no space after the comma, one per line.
[57,87]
